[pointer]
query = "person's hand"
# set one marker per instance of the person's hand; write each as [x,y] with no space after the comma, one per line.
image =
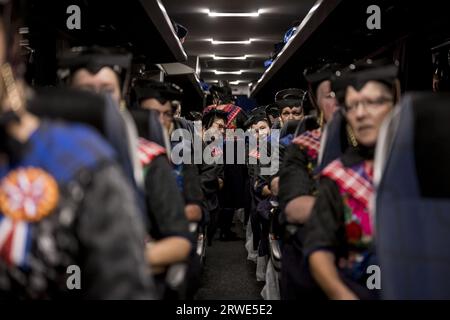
[220,183]
[435,83]
[266,191]
[344,294]
[274,186]
[193,212]
[148,250]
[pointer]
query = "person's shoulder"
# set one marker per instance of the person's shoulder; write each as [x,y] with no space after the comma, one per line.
[78,132]
[315,134]
[79,141]
[333,168]
[287,140]
[148,151]
[293,153]
[334,175]
[69,128]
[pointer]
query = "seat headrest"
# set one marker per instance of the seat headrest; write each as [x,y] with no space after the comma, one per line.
[289,127]
[142,119]
[431,114]
[70,105]
[148,125]
[415,147]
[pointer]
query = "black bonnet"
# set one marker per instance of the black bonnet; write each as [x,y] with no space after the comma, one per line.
[361,72]
[93,59]
[162,91]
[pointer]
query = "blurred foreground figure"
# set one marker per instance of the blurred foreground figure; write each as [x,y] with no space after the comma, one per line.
[412,202]
[68,223]
[105,71]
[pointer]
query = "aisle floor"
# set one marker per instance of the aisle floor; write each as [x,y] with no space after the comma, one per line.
[227,274]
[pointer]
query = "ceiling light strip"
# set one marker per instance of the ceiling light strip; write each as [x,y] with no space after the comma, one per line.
[228,72]
[234,14]
[249,41]
[230,58]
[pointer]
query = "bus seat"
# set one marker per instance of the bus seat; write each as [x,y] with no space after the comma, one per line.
[412,205]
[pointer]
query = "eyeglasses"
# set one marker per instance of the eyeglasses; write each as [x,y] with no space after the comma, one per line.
[368,104]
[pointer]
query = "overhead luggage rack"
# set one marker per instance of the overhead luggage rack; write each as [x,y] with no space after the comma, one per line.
[149,35]
[318,13]
[337,31]
[186,78]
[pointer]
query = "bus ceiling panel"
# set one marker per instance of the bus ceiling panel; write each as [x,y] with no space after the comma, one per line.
[233,43]
[232,64]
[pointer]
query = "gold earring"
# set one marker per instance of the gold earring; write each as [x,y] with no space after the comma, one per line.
[122,105]
[351,136]
[321,119]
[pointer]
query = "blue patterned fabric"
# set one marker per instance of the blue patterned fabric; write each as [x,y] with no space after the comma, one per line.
[62,150]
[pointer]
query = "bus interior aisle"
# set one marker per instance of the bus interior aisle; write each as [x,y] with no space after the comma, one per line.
[227,274]
[184,150]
